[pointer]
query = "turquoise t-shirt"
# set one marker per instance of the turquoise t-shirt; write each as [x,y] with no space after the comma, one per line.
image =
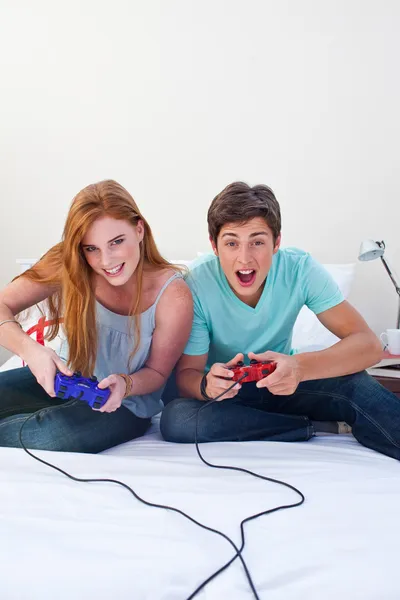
[223,325]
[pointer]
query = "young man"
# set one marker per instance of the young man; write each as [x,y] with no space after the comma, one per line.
[247,296]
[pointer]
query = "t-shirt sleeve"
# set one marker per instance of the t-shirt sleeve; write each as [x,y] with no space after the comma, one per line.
[321,291]
[199,339]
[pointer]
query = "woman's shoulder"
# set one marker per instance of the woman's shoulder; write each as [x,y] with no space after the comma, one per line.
[155,279]
[162,286]
[172,289]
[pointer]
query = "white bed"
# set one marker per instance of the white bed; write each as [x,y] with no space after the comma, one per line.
[74,541]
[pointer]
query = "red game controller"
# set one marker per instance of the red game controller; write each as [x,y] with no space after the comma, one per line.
[254,372]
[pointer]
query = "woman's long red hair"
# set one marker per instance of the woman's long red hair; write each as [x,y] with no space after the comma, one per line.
[64,267]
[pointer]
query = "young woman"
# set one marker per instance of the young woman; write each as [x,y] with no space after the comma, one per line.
[126,315]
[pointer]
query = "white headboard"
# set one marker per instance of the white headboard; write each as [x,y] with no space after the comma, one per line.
[25,263]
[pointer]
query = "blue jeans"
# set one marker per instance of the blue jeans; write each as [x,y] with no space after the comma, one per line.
[255,414]
[60,425]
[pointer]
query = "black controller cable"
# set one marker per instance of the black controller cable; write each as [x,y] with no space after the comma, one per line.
[238,551]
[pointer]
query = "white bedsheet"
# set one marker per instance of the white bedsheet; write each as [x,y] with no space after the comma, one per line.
[70,541]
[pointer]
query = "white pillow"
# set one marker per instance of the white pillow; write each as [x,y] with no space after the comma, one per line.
[186,262]
[32,320]
[308,332]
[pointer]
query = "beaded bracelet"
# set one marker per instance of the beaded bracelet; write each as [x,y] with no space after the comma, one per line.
[128,384]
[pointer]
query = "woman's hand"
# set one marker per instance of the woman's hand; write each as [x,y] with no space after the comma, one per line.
[44,363]
[117,387]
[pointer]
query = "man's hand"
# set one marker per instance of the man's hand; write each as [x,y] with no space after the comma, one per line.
[286,377]
[217,382]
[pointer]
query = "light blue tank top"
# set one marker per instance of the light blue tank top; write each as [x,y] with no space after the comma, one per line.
[115,343]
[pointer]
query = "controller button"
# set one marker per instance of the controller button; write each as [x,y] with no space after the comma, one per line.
[77,374]
[63,387]
[253,361]
[240,363]
[93,378]
[61,395]
[96,404]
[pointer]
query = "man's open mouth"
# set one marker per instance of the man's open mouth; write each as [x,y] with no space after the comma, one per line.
[246,277]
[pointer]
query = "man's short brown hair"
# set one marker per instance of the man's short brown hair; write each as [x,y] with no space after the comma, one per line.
[238,203]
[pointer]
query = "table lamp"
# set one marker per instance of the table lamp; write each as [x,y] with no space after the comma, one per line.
[370,250]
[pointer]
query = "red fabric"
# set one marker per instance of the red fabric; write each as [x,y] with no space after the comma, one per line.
[39,328]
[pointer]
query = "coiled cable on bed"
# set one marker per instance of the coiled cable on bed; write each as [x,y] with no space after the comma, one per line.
[238,550]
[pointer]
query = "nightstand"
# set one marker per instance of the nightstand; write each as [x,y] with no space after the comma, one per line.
[390,383]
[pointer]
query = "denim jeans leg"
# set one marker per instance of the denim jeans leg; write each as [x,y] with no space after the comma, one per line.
[372,411]
[21,393]
[58,425]
[229,420]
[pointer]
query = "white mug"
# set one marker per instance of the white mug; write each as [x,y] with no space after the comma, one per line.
[392,341]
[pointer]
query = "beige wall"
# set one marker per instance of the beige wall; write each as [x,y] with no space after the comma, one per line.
[176,99]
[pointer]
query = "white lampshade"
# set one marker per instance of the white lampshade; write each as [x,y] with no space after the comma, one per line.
[369,250]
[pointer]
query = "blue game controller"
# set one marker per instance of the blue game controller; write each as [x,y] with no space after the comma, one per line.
[80,388]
